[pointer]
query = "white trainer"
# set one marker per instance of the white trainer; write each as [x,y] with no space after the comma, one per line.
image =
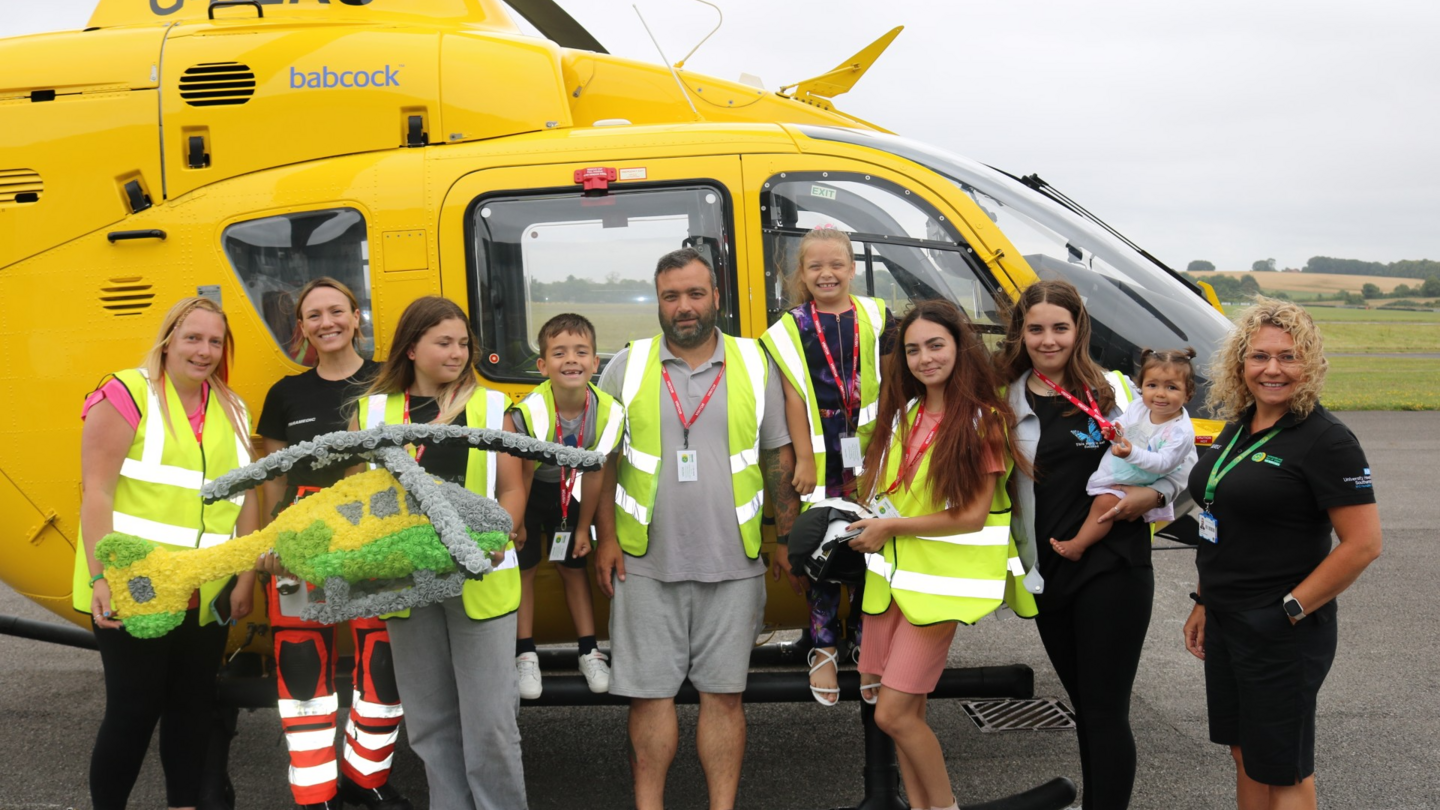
[527,670]
[596,671]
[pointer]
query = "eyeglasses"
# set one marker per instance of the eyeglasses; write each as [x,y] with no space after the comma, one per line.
[1262,359]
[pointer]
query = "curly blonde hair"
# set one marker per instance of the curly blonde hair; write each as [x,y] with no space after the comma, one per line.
[1229,395]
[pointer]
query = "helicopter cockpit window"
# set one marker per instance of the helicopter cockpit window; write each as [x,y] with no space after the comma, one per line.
[537,256]
[1133,301]
[905,250]
[276,256]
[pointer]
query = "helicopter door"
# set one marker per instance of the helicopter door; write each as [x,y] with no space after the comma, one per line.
[908,243]
[535,244]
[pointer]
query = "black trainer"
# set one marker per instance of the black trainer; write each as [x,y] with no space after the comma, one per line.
[330,804]
[384,797]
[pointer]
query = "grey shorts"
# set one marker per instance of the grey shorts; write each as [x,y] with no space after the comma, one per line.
[663,632]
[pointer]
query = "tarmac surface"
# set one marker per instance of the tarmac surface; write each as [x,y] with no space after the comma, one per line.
[1376,749]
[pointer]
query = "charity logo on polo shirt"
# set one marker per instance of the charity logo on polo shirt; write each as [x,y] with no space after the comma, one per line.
[1268,458]
[1361,481]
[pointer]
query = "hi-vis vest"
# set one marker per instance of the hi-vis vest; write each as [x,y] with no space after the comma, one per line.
[782,339]
[157,496]
[499,592]
[1123,394]
[957,577]
[641,463]
[537,412]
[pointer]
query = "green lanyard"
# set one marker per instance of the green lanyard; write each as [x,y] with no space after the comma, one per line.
[1217,472]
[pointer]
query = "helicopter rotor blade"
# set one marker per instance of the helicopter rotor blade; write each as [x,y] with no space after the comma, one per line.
[556,24]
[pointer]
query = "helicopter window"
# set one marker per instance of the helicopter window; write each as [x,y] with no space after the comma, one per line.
[904,249]
[275,256]
[536,256]
[1133,300]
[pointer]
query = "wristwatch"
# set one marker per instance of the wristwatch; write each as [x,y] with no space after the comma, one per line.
[1293,608]
[1161,496]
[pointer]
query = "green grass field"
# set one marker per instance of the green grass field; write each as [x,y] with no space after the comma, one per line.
[1324,315]
[1382,384]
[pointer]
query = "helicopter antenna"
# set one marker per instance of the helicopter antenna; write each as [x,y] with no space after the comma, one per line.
[683,92]
[719,23]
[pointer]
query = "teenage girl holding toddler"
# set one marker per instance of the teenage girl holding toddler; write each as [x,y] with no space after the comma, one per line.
[828,351]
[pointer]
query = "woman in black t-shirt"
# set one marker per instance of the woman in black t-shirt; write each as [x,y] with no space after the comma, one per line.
[299,408]
[1093,612]
[1280,476]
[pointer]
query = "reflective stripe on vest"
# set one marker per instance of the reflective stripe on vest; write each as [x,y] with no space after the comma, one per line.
[641,462]
[499,592]
[157,494]
[535,411]
[956,577]
[1121,386]
[783,341]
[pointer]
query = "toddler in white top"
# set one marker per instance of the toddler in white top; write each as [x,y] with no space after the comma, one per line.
[1153,438]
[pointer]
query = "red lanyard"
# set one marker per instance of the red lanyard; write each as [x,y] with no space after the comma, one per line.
[204,409]
[1106,429]
[911,461]
[419,451]
[567,482]
[851,390]
[675,398]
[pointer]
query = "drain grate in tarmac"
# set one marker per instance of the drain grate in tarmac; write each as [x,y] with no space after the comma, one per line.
[1016,715]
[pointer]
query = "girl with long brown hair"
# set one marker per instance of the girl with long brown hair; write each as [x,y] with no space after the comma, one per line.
[1094,611]
[940,551]
[454,659]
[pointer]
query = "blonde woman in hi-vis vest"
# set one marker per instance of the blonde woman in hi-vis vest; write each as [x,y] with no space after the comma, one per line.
[153,436]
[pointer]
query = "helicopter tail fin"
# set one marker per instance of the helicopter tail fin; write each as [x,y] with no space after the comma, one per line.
[819,90]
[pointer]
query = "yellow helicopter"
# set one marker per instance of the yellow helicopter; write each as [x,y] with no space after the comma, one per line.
[238,149]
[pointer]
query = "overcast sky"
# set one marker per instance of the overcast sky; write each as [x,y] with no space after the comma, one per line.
[1232,130]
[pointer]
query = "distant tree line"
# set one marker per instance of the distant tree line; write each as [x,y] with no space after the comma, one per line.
[1409,268]
[1232,288]
[613,289]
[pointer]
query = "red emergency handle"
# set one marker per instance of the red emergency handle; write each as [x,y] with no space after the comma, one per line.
[595,178]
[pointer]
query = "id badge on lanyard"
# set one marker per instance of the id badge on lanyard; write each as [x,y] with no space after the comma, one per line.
[850,454]
[687,465]
[882,507]
[1209,530]
[559,546]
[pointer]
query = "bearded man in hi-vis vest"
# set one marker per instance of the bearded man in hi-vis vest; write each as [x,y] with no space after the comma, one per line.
[705,438]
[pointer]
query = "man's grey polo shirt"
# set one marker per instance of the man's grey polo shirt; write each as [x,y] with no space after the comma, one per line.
[693,533]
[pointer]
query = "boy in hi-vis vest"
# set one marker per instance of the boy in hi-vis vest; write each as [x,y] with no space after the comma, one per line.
[567,409]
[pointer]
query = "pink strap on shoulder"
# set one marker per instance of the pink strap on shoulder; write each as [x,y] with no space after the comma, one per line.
[119,397]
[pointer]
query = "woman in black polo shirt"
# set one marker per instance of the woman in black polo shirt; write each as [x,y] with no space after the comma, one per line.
[1282,474]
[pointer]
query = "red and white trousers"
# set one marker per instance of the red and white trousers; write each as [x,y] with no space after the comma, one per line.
[305,668]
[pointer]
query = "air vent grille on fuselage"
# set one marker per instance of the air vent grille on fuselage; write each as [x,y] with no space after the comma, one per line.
[126,296]
[216,84]
[20,186]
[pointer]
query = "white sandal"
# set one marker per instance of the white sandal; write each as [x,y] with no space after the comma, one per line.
[819,692]
[870,692]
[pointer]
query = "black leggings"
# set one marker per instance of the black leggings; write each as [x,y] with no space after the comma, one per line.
[170,679]
[1094,644]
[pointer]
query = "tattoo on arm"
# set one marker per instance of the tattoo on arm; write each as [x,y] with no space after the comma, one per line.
[778,466]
